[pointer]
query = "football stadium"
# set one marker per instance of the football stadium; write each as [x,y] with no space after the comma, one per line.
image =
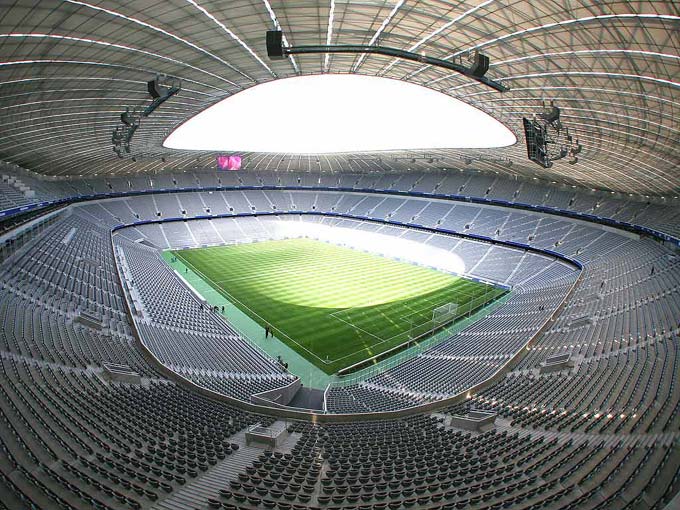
[347,255]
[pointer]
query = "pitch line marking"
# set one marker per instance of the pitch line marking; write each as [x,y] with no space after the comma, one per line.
[465,292]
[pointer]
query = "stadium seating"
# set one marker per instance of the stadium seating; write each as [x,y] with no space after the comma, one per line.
[662,215]
[572,239]
[150,271]
[601,434]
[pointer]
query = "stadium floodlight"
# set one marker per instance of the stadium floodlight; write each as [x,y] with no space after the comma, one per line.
[155,89]
[116,136]
[477,71]
[161,88]
[552,116]
[129,119]
[547,139]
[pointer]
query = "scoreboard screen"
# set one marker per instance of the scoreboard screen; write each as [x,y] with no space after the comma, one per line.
[229,162]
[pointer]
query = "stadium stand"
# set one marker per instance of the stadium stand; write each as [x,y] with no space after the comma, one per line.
[122,388]
[562,439]
[633,313]
[660,214]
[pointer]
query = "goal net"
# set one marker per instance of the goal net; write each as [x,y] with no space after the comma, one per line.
[421,326]
[444,313]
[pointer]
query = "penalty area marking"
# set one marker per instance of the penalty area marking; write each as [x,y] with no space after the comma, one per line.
[220,290]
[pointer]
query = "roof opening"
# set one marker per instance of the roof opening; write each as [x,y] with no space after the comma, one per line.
[339,113]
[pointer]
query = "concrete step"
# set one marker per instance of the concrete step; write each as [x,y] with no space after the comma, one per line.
[195,493]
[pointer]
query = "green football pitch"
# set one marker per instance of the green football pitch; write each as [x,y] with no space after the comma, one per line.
[336,306]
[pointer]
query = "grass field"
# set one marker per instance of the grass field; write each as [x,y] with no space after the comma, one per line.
[334,305]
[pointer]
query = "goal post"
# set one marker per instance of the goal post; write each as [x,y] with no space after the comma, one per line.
[421,325]
[444,313]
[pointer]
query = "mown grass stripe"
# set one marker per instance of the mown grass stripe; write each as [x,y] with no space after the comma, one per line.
[340,304]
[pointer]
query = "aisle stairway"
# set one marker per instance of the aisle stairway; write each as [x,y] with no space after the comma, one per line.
[197,492]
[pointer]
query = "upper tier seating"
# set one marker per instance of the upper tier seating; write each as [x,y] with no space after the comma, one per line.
[664,216]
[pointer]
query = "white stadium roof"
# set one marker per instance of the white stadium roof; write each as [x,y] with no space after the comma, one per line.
[69,68]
